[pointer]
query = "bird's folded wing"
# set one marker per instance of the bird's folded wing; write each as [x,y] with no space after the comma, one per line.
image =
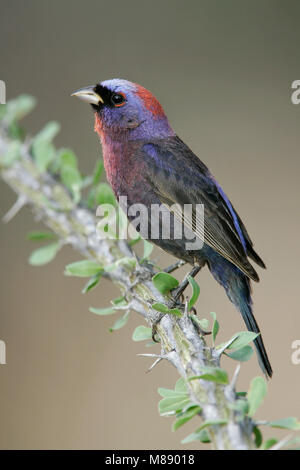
[178,177]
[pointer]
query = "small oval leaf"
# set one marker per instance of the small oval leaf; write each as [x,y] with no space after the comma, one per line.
[84,268]
[164,282]
[196,292]
[43,255]
[142,333]
[164,309]
[257,392]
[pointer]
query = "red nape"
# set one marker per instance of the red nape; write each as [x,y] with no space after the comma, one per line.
[150,102]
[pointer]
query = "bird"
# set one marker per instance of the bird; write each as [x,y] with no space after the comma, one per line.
[146,161]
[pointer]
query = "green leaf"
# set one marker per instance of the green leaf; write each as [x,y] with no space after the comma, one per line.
[67,158]
[198,435]
[142,333]
[164,309]
[169,393]
[44,153]
[148,248]
[120,322]
[241,406]
[269,443]
[201,436]
[164,282]
[286,423]
[117,304]
[40,236]
[104,195]
[239,340]
[242,354]
[181,386]
[18,108]
[48,132]
[84,268]
[92,282]
[196,292]
[12,153]
[103,311]
[256,394]
[129,262]
[258,436]
[15,132]
[71,178]
[43,255]
[3,108]
[202,322]
[242,339]
[213,374]
[215,328]
[186,416]
[98,172]
[42,148]
[120,301]
[66,164]
[90,201]
[171,405]
[213,422]
[180,390]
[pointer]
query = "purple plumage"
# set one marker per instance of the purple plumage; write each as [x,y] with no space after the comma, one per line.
[146,162]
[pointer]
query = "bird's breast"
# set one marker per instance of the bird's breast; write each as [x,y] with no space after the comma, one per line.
[124,170]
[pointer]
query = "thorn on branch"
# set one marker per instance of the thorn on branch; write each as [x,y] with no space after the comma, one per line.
[18,205]
[158,357]
[158,360]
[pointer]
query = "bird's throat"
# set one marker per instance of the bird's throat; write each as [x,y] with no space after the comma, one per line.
[118,160]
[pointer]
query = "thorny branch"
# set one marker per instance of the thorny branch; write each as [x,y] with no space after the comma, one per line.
[180,341]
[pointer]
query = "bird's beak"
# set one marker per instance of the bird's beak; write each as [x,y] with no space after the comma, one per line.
[89,95]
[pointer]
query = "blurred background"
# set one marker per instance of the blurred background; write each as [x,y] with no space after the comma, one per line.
[223,72]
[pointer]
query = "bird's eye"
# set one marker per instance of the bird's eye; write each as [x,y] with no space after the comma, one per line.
[118,99]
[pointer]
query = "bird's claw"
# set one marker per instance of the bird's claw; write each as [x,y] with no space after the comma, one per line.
[140,277]
[181,288]
[197,324]
[174,266]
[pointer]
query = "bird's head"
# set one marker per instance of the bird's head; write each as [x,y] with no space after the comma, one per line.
[125,109]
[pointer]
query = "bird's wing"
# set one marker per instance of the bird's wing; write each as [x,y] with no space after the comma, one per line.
[179,177]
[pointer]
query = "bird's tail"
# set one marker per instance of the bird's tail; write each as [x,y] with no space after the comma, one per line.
[238,289]
[246,311]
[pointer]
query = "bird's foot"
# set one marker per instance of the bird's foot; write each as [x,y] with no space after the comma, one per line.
[195,321]
[178,292]
[197,325]
[141,276]
[173,267]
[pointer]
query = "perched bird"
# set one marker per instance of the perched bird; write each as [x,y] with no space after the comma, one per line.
[148,163]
